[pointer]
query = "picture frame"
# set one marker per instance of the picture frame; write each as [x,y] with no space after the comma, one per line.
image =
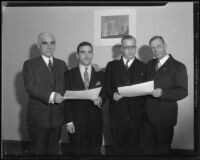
[111,25]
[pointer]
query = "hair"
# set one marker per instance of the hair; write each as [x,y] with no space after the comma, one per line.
[45,34]
[157,37]
[84,44]
[127,37]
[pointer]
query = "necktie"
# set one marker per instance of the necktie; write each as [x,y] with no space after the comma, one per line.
[158,65]
[50,65]
[127,64]
[86,78]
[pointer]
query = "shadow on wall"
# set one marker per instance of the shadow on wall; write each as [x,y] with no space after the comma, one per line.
[116,50]
[72,60]
[22,99]
[145,53]
[34,51]
[22,96]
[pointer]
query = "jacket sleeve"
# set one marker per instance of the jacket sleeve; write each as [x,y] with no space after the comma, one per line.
[102,94]
[35,91]
[180,88]
[68,116]
[109,86]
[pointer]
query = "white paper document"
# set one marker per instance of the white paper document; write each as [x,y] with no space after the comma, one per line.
[137,89]
[83,94]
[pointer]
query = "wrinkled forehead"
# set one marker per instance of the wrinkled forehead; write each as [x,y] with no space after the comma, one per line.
[46,36]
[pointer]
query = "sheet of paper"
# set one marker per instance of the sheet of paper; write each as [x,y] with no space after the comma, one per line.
[83,94]
[137,89]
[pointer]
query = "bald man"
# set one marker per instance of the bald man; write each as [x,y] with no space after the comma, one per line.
[44,82]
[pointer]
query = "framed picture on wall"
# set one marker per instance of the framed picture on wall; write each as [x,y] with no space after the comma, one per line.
[111,25]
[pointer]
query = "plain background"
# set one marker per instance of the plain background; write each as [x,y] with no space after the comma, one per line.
[72,25]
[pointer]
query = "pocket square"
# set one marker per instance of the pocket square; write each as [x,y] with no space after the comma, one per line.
[98,83]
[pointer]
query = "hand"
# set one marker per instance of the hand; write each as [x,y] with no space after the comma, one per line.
[70,127]
[98,101]
[157,92]
[96,67]
[116,96]
[58,98]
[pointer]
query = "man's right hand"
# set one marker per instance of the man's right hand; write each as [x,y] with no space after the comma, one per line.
[116,96]
[70,127]
[58,98]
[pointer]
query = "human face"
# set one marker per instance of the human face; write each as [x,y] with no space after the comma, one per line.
[158,48]
[85,55]
[47,45]
[129,48]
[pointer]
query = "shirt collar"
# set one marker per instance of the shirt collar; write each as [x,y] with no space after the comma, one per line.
[130,61]
[82,67]
[164,59]
[46,59]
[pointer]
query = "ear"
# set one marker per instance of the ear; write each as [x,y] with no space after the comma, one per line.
[38,45]
[121,49]
[165,46]
[77,56]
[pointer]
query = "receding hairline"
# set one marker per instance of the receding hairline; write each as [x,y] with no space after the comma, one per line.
[157,37]
[45,34]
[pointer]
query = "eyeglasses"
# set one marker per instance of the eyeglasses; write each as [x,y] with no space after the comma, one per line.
[129,47]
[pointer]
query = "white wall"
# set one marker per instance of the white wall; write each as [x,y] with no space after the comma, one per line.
[71,25]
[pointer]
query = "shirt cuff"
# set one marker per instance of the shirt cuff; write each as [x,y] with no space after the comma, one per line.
[51,99]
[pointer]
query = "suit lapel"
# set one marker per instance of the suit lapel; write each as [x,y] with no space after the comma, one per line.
[57,71]
[44,71]
[163,68]
[92,79]
[79,78]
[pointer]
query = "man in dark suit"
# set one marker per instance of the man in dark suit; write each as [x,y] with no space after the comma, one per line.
[126,113]
[44,82]
[171,84]
[84,117]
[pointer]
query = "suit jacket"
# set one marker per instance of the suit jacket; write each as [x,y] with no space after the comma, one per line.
[82,110]
[40,83]
[117,76]
[172,79]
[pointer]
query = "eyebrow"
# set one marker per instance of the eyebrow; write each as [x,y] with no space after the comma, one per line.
[44,42]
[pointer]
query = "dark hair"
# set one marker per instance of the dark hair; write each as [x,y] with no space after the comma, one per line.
[84,44]
[157,37]
[127,37]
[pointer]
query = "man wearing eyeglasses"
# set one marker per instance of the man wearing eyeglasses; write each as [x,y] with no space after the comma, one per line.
[44,82]
[126,114]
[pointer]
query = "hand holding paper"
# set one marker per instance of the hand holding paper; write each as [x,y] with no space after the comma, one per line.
[116,96]
[157,92]
[137,89]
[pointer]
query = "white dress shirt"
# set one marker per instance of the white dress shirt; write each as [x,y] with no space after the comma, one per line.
[163,60]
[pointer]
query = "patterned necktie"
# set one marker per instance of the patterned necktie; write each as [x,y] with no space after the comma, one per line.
[50,65]
[86,78]
[127,64]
